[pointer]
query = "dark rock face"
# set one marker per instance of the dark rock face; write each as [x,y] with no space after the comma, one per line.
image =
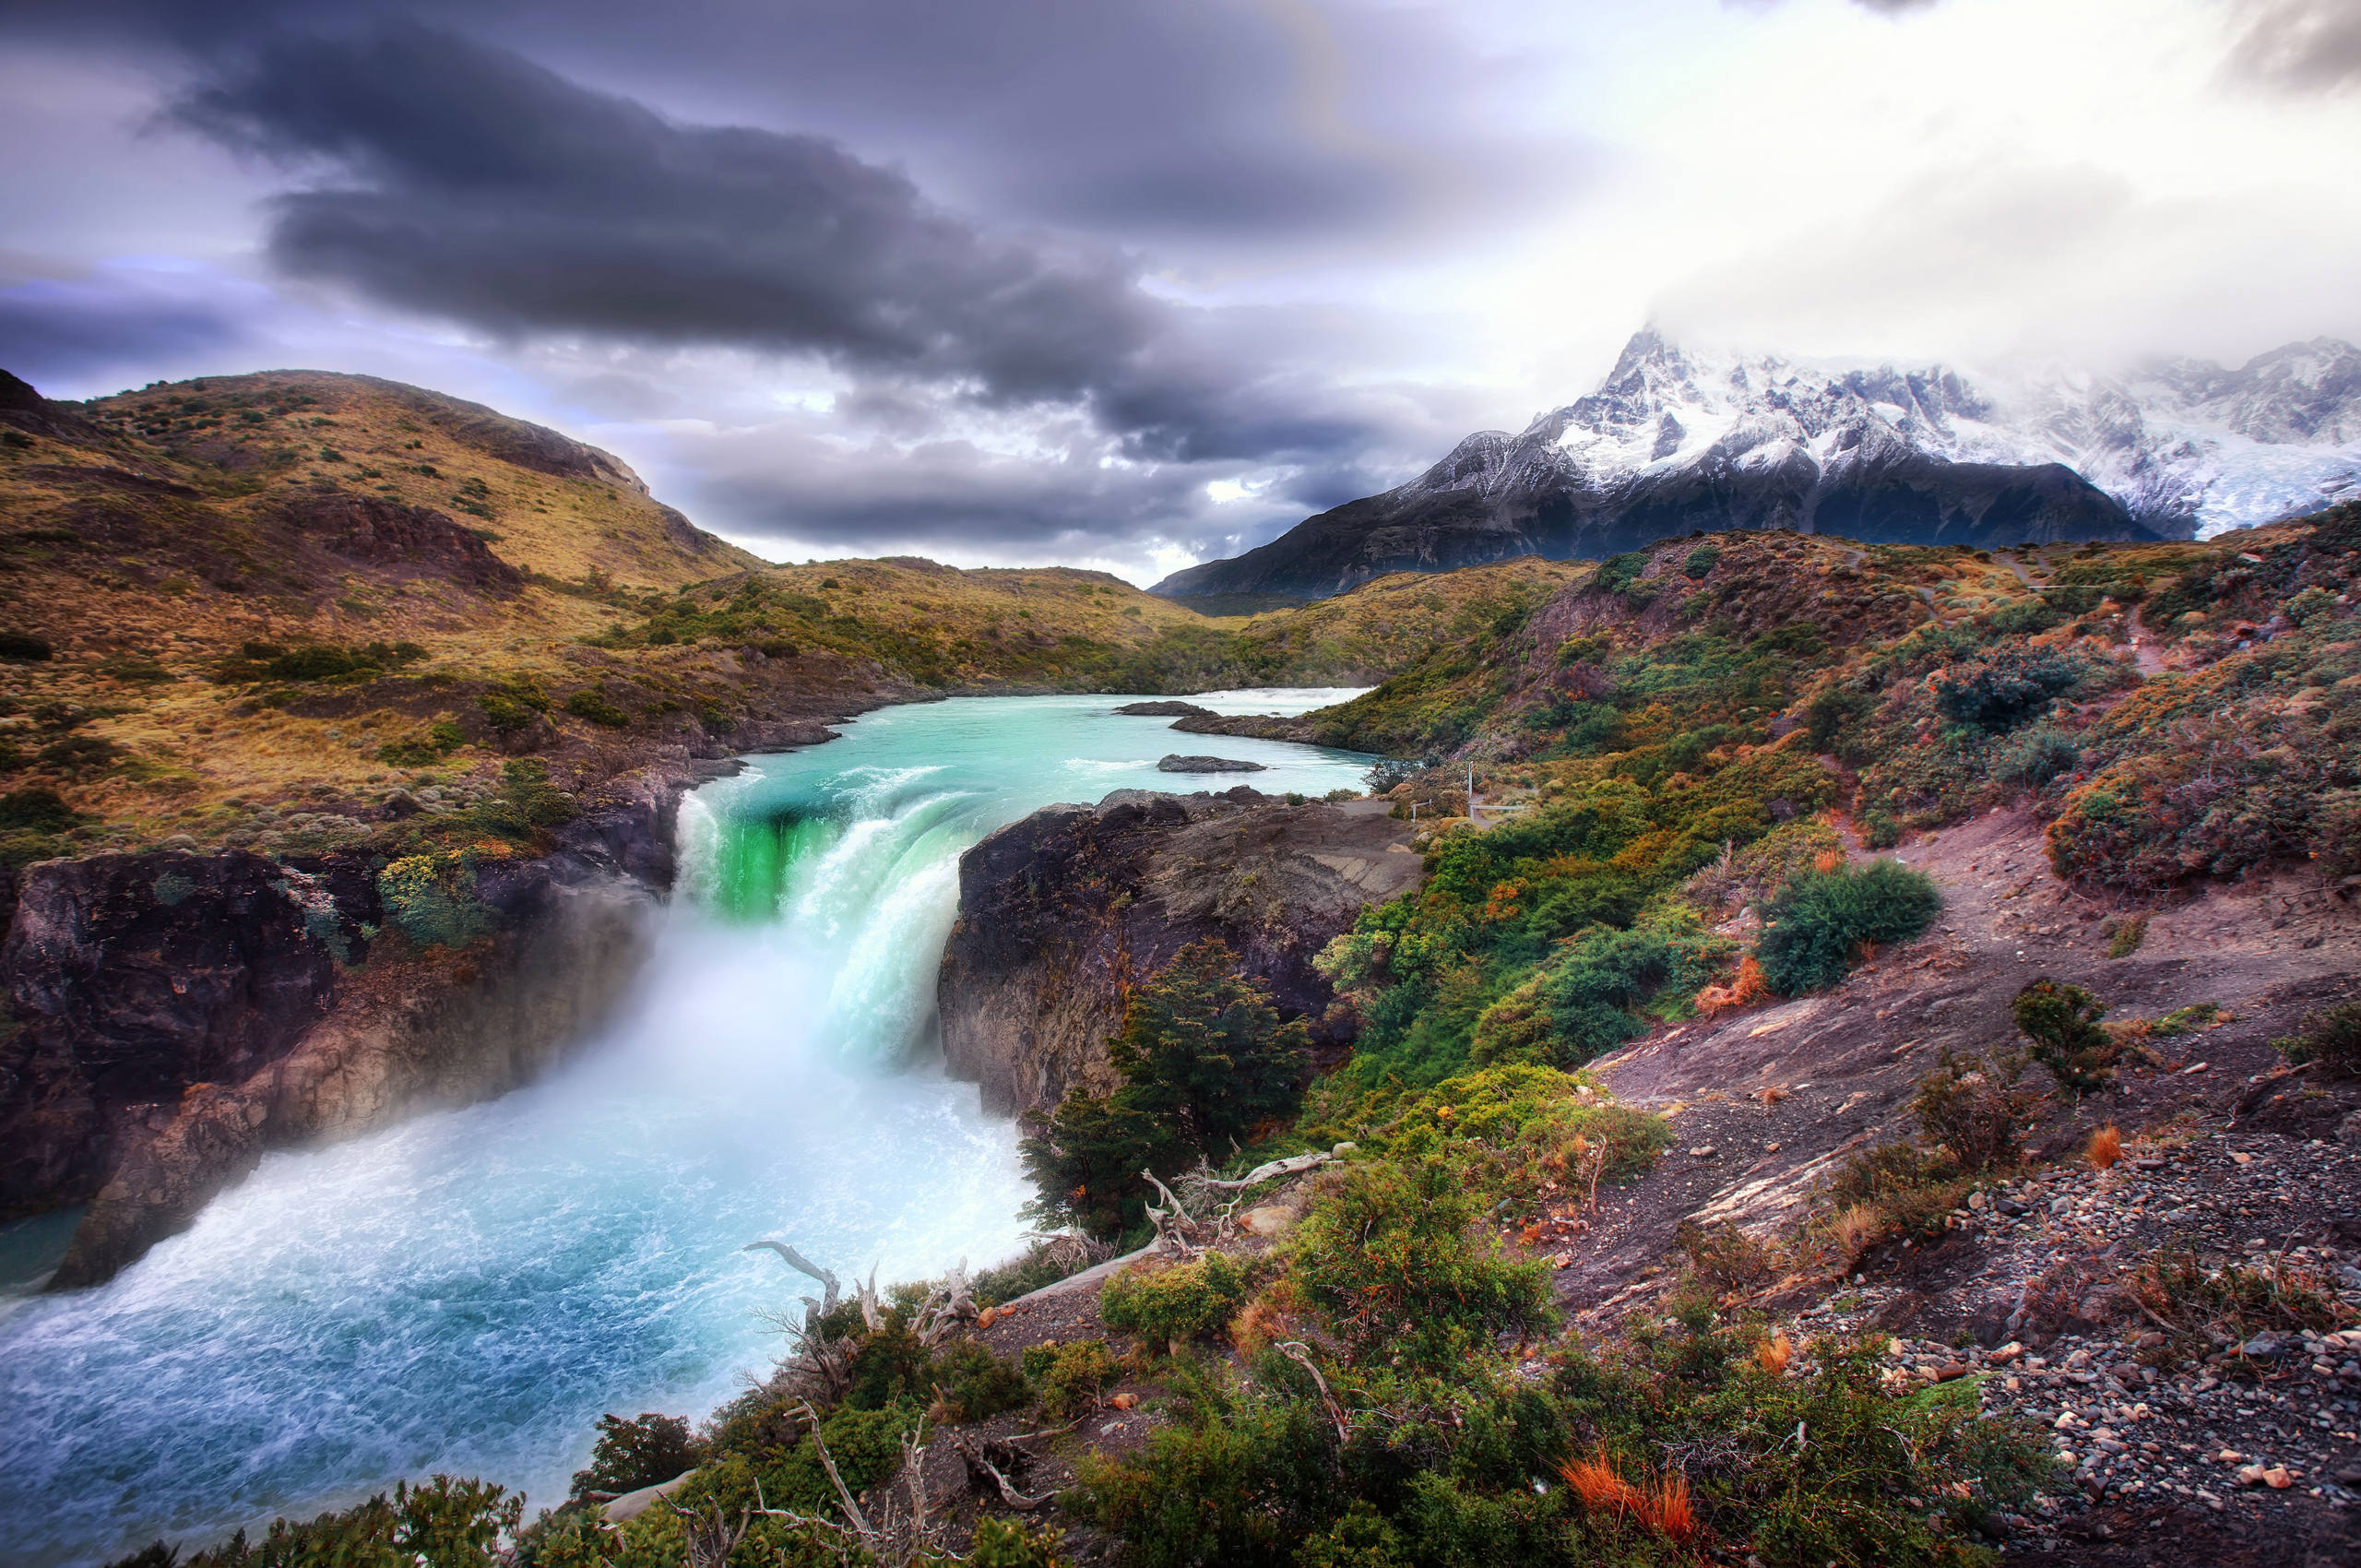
[177,1015]
[1061,914]
[368,527]
[1178,764]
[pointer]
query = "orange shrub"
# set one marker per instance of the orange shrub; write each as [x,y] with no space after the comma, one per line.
[2106,1147]
[1773,1354]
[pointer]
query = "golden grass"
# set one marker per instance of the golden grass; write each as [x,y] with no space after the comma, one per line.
[1773,1354]
[2106,1147]
[1661,1506]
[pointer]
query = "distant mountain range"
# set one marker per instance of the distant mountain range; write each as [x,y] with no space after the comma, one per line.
[1675,440]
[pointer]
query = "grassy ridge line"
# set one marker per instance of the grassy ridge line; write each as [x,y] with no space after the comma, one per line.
[163,584]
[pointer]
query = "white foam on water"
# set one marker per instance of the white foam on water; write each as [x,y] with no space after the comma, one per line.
[467,1291]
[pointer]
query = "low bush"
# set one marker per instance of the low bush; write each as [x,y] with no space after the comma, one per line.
[1176,1302]
[1977,1110]
[38,808]
[1724,1256]
[1394,1257]
[631,1455]
[972,1383]
[1070,1377]
[2062,1021]
[421,748]
[1817,924]
[2331,1038]
[443,1522]
[595,706]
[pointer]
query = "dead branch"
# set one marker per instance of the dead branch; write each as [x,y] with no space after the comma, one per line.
[1292,1166]
[709,1539]
[980,1468]
[1300,1355]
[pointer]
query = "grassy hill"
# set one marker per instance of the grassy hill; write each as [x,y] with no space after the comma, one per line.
[235,601]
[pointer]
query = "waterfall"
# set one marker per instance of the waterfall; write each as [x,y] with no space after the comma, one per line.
[470,1291]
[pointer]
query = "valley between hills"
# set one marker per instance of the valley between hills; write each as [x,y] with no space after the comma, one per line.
[1873,1075]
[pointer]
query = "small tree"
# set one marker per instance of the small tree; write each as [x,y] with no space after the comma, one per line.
[1205,1060]
[2063,1023]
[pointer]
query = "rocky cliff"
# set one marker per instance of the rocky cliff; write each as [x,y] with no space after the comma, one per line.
[177,1014]
[1061,914]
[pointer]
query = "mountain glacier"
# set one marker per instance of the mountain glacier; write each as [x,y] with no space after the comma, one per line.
[1675,440]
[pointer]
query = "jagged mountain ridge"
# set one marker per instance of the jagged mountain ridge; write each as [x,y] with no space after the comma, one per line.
[1675,441]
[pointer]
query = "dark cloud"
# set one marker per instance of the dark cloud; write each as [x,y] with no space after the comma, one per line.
[466,182]
[449,178]
[1226,119]
[2309,45]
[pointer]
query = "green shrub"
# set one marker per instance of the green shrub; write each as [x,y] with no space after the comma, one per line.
[1879,830]
[444,1523]
[1071,1376]
[1702,562]
[2332,1037]
[421,747]
[595,706]
[1238,1481]
[1975,1110]
[1176,1302]
[631,1455]
[2035,756]
[2005,687]
[512,704]
[1818,923]
[975,1384]
[1009,1543]
[2063,1023]
[1205,1064]
[431,898]
[1391,1255]
[38,808]
[1618,573]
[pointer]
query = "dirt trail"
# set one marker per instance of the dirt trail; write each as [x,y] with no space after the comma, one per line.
[1840,1068]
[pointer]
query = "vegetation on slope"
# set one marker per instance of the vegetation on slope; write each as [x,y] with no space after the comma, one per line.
[243,603]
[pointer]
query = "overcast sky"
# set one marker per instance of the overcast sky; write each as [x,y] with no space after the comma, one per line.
[1134,283]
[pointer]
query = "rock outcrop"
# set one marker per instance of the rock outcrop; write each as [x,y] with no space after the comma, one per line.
[1061,914]
[1174,763]
[177,1015]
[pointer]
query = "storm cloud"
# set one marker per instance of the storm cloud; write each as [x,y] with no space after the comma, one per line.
[469,183]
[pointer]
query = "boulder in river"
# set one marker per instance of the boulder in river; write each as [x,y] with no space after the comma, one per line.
[1178,764]
[1165,708]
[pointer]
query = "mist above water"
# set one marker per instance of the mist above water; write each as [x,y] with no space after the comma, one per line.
[467,1292]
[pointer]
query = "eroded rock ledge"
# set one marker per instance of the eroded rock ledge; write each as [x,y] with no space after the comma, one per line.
[176,1015]
[1061,914]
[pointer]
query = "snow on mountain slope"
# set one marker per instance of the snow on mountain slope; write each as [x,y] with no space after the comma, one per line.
[1676,439]
[2184,445]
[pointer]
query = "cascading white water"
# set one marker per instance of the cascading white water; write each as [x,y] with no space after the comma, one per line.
[467,1292]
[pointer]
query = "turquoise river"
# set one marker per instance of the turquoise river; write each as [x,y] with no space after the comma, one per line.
[469,1290]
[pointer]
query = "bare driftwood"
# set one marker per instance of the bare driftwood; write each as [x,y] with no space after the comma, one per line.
[895,1536]
[1300,1355]
[981,1469]
[709,1537]
[1294,1165]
